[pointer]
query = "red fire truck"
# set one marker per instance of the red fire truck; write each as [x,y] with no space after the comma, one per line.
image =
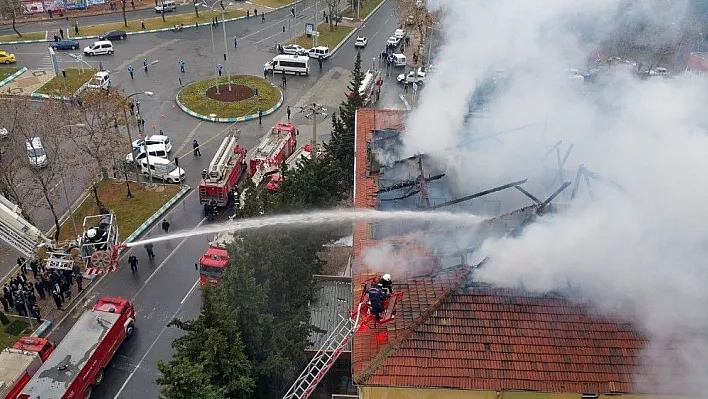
[276,178]
[275,147]
[215,260]
[220,180]
[79,361]
[19,363]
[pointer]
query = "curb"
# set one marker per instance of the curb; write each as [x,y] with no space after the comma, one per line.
[45,40]
[42,328]
[62,98]
[158,214]
[230,120]
[13,76]
[405,102]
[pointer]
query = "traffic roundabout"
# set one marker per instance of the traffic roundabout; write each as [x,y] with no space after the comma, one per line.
[230,99]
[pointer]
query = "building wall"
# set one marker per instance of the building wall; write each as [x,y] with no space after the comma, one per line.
[436,393]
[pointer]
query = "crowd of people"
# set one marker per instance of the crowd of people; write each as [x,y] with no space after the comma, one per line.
[22,293]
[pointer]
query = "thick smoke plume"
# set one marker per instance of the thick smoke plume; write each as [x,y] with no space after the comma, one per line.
[639,252]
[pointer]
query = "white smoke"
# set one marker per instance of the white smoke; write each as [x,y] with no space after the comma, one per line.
[640,252]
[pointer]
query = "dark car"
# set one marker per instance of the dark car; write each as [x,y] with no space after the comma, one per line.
[67,44]
[113,35]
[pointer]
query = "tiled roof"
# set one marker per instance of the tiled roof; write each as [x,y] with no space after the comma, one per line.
[449,335]
[333,300]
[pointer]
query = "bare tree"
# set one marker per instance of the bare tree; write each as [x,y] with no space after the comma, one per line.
[332,7]
[414,13]
[125,20]
[10,9]
[13,155]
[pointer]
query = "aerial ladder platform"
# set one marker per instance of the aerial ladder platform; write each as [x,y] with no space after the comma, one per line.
[338,339]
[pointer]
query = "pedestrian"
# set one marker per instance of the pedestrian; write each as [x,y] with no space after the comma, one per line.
[285,80]
[57,299]
[132,4]
[40,290]
[22,263]
[142,122]
[132,107]
[262,18]
[148,248]
[218,69]
[260,117]
[50,13]
[34,265]
[255,11]
[61,33]
[133,262]
[195,147]
[265,73]
[235,42]
[166,226]
[181,66]
[405,86]
[248,14]
[79,281]
[142,24]
[37,313]
[319,61]
[145,64]
[288,111]
[76,27]
[292,11]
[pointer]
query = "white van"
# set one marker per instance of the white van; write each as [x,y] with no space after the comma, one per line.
[152,140]
[165,6]
[99,47]
[285,63]
[155,150]
[398,60]
[163,169]
[35,152]
[321,52]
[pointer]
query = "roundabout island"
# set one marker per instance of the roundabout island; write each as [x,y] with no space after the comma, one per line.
[230,99]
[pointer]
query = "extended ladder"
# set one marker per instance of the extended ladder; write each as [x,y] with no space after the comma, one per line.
[324,358]
[16,231]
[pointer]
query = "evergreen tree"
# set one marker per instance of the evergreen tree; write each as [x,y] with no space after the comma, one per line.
[209,359]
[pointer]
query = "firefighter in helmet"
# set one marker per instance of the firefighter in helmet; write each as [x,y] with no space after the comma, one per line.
[97,235]
[386,284]
[376,300]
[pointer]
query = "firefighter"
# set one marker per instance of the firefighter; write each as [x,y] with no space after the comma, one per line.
[386,284]
[376,299]
[208,212]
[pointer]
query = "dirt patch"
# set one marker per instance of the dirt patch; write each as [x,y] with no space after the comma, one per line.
[237,93]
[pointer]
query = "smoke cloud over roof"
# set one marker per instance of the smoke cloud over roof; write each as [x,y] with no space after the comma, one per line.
[504,91]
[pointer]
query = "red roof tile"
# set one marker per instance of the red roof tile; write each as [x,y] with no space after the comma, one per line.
[487,339]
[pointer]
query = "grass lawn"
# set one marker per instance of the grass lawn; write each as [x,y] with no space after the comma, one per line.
[326,38]
[6,71]
[193,96]
[67,86]
[171,20]
[130,212]
[271,3]
[18,327]
[367,6]
[25,36]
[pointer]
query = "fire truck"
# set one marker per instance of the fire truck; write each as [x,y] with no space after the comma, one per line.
[215,260]
[220,180]
[19,363]
[78,363]
[96,249]
[275,148]
[276,178]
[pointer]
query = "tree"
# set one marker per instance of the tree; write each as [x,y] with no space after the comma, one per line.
[125,20]
[10,9]
[410,12]
[162,13]
[332,8]
[209,360]
[196,8]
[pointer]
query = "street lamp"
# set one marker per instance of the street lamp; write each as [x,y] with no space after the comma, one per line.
[63,180]
[311,111]
[226,45]
[130,139]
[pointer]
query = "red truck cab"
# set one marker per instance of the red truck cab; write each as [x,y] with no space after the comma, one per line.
[79,361]
[212,265]
[19,363]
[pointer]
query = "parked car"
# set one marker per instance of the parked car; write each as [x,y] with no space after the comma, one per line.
[393,41]
[399,33]
[411,77]
[321,52]
[293,49]
[114,35]
[67,44]
[155,150]
[165,6]
[100,81]
[98,48]
[361,41]
[35,152]
[154,139]
[7,58]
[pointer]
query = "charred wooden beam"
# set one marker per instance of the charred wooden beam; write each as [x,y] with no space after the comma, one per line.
[409,183]
[479,194]
[554,195]
[528,194]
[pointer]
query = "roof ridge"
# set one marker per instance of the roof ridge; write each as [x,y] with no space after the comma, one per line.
[384,353]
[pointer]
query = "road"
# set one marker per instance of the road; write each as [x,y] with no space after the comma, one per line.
[167,287]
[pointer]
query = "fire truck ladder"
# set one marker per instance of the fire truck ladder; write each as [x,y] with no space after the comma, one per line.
[219,163]
[16,231]
[324,358]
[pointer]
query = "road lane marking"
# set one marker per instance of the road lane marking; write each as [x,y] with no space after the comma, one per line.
[187,140]
[190,292]
[144,54]
[142,359]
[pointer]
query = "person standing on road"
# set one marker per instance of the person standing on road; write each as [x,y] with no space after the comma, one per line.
[61,33]
[133,262]
[235,42]
[130,71]
[181,66]
[166,226]
[195,148]
[145,64]
[292,11]
[285,80]
[288,111]
[57,299]
[260,117]
[76,27]
[319,61]
[148,248]
[262,18]
[218,68]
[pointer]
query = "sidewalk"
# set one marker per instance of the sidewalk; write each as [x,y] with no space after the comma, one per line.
[28,82]
[98,9]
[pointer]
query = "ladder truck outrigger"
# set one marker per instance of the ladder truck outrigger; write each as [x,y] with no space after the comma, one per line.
[337,340]
[97,248]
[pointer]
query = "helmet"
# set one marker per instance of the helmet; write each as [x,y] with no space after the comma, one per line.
[91,233]
[387,277]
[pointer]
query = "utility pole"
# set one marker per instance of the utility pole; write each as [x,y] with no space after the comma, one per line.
[311,111]
[314,34]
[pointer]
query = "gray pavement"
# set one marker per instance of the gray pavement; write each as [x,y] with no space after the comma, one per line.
[167,287]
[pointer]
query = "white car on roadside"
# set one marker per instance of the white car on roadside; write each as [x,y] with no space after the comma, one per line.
[100,81]
[393,41]
[293,49]
[154,139]
[411,77]
[361,41]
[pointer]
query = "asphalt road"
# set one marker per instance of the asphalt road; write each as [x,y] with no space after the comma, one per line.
[167,287]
